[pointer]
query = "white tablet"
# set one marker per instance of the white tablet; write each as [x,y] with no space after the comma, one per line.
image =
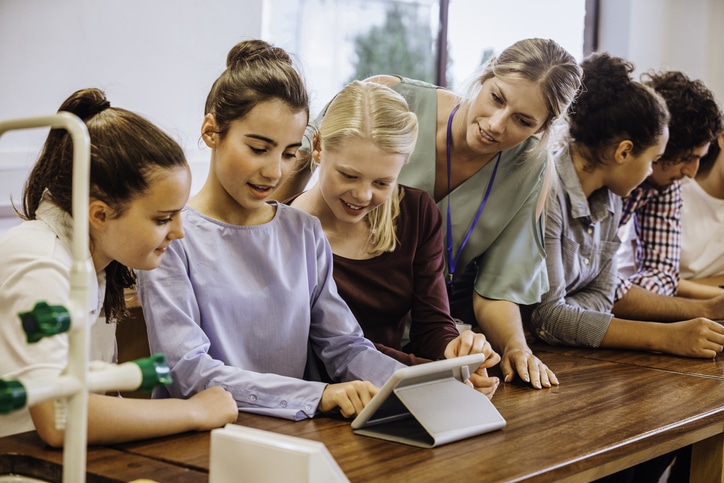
[428,405]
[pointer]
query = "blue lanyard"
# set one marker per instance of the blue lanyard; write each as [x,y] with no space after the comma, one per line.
[453,261]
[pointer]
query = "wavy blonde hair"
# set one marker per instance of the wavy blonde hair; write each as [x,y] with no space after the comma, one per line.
[373,113]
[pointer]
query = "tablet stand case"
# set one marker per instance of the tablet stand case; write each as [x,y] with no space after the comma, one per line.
[431,413]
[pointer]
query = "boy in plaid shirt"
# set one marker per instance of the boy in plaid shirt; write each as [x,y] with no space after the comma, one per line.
[648,260]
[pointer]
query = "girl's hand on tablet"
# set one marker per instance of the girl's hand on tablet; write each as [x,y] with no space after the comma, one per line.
[348,397]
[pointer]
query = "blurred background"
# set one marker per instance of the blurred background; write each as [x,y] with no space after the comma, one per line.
[159,57]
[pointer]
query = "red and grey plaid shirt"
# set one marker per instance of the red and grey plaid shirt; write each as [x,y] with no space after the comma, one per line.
[657,222]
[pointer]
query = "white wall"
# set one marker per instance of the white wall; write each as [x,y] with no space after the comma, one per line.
[155,57]
[683,35]
[159,58]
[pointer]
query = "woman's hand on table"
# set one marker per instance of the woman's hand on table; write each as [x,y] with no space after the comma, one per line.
[529,368]
[500,321]
[348,397]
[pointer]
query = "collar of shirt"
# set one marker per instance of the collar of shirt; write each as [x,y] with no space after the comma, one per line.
[641,194]
[594,208]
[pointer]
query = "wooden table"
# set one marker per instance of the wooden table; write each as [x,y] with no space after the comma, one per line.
[605,416]
[26,455]
[682,365]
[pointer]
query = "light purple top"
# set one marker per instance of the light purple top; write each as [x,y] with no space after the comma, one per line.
[239,306]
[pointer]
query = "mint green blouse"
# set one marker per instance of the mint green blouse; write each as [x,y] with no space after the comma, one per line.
[507,241]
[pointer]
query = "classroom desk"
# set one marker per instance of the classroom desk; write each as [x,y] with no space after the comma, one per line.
[683,365]
[25,454]
[605,416]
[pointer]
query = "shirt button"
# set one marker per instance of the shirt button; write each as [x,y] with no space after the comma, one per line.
[586,261]
[307,407]
[252,398]
[283,404]
[541,333]
[590,230]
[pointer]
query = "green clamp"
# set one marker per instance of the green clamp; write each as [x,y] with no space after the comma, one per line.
[45,320]
[13,396]
[155,372]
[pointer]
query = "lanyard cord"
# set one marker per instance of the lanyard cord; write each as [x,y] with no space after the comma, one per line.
[453,261]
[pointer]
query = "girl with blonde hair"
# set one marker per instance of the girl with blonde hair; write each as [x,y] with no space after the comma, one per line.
[386,238]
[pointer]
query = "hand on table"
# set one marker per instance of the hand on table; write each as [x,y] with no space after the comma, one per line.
[698,337]
[713,307]
[213,408]
[521,361]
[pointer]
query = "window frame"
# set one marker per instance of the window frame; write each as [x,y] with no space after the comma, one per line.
[590,36]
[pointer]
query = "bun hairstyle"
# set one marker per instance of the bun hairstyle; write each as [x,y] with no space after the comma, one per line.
[127,152]
[256,72]
[86,103]
[613,107]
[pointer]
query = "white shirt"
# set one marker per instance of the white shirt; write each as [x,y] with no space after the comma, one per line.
[625,255]
[35,262]
[702,241]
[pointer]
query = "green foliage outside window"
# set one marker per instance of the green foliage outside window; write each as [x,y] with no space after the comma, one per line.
[403,45]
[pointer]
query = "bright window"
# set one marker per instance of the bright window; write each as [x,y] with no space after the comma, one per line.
[336,41]
[478,29]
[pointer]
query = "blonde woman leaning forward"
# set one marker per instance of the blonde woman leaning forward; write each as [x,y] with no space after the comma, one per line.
[483,159]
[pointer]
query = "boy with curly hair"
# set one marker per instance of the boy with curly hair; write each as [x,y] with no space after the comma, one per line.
[648,260]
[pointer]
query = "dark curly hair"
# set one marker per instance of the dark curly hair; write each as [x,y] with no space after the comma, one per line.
[708,160]
[696,117]
[613,107]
